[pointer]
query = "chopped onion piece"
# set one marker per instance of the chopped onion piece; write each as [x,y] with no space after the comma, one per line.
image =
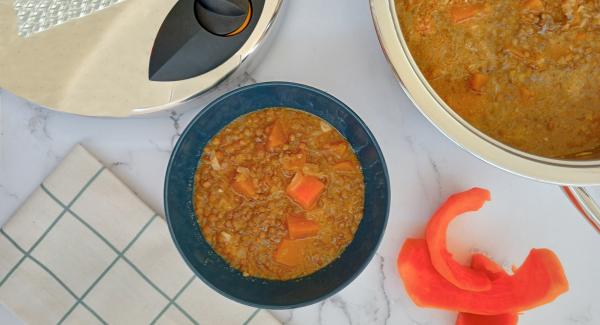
[225,237]
[214,162]
[325,127]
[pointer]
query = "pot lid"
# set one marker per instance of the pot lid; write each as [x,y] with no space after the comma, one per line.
[115,57]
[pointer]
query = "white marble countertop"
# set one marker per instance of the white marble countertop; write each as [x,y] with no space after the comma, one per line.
[332,45]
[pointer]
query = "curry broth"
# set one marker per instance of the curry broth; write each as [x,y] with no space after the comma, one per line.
[526,72]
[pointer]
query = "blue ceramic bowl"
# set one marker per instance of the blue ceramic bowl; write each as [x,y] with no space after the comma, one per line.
[208,265]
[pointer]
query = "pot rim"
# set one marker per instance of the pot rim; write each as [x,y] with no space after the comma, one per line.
[416,87]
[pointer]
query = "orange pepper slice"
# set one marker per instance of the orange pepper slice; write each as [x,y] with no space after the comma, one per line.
[493,271]
[538,281]
[461,276]
[473,319]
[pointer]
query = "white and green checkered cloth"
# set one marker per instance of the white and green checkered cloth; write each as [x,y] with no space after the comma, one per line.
[84,249]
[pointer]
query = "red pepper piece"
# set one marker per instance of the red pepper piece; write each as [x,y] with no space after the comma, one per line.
[483,263]
[538,281]
[461,276]
[472,319]
[493,271]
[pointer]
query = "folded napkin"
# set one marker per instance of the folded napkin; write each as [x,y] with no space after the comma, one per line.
[84,249]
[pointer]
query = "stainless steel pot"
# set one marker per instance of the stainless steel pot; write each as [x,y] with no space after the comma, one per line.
[570,173]
[95,62]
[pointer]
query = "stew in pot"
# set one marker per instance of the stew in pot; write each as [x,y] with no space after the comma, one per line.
[526,72]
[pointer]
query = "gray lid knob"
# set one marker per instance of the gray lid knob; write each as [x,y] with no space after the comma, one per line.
[223,17]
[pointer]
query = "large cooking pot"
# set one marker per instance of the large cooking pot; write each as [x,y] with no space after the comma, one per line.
[570,173]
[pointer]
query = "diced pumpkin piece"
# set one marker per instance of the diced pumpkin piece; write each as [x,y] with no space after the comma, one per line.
[290,252]
[243,185]
[461,276]
[277,135]
[533,4]
[477,81]
[300,227]
[461,13]
[538,281]
[305,190]
[345,166]
[473,319]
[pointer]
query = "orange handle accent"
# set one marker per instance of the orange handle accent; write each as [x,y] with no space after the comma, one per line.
[245,23]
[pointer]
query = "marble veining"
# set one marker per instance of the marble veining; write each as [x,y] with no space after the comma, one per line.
[38,124]
[335,49]
[387,308]
[8,194]
[335,302]
[427,170]
[583,317]
[175,117]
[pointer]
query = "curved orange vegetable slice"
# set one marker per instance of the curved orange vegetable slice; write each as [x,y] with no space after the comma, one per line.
[461,276]
[493,271]
[483,263]
[538,281]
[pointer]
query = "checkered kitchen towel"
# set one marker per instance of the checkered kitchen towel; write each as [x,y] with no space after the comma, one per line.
[84,249]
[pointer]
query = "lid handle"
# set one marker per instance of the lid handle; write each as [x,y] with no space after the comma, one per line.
[223,17]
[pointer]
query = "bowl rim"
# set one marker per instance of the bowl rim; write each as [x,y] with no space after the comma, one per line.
[454,127]
[380,156]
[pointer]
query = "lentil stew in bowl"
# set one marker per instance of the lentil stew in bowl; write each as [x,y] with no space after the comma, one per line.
[303,195]
[525,72]
[279,193]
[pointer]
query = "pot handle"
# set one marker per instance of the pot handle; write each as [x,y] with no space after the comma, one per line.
[584,202]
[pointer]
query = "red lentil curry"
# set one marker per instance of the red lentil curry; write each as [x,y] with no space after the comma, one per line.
[526,72]
[279,193]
